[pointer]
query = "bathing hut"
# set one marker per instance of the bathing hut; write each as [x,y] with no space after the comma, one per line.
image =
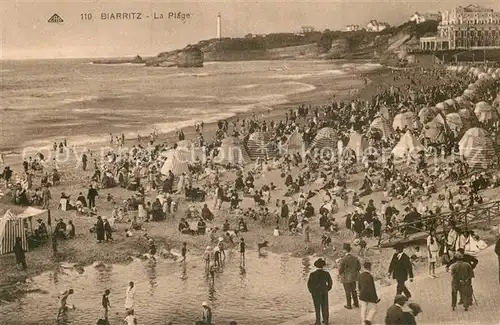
[260,145]
[174,163]
[383,126]
[407,145]
[477,148]
[404,120]
[232,152]
[325,138]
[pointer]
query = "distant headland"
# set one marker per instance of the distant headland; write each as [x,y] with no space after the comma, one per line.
[327,45]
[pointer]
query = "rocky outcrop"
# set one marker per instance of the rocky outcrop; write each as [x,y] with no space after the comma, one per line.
[136,60]
[189,57]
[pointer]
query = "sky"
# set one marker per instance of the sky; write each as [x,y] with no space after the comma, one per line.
[26,34]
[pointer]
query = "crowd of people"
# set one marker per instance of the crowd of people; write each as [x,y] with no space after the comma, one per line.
[305,177]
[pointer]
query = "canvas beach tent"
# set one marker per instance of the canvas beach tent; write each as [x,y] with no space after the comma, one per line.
[260,145]
[295,143]
[326,138]
[435,132]
[357,144]
[11,227]
[232,151]
[477,148]
[402,120]
[408,144]
[174,163]
[426,114]
[383,126]
[486,113]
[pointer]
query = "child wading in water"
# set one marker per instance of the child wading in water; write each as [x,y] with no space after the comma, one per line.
[183,252]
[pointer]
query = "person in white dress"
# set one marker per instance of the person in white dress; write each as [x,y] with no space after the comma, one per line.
[432,252]
[130,297]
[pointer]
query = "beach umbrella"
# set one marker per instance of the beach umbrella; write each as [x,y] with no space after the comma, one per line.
[232,151]
[490,70]
[486,113]
[358,144]
[495,76]
[383,126]
[407,145]
[473,86]
[434,131]
[403,120]
[260,145]
[454,122]
[326,138]
[295,143]
[426,114]
[385,112]
[478,148]
[468,117]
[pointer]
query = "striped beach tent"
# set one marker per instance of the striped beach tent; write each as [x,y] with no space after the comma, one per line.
[325,138]
[358,144]
[382,125]
[260,145]
[174,163]
[232,152]
[295,143]
[486,113]
[403,120]
[434,131]
[407,145]
[477,148]
[11,227]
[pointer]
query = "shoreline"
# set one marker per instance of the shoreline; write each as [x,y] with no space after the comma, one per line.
[319,96]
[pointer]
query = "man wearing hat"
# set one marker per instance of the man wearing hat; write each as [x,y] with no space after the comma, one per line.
[401,270]
[319,283]
[462,274]
[349,268]
[395,314]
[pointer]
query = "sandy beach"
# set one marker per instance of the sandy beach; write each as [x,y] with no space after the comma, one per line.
[84,250]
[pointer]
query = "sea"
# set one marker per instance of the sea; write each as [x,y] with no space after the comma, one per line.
[43,101]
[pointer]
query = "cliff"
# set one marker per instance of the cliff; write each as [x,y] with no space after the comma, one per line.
[315,45]
[190,56]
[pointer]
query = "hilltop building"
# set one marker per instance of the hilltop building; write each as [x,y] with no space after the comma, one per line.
[352,28]
[470,27]
[423,17]
[375,26]
[307,29]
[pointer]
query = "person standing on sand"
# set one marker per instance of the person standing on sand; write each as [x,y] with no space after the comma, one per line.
[84,161]
[105,303]
[243,246]
[99,229]
[319,284]
[91,195]
[20,253]
[433,252]
[401,270]
[349,268]
[183,252]
[367,294]
[130,297]
[46,197]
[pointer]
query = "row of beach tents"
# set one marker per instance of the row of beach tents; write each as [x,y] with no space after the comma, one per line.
[459,115]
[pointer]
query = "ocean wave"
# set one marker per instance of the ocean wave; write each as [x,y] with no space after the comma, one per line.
[186,74]
[5,70]
[291,76]
[248,86]
[81,99]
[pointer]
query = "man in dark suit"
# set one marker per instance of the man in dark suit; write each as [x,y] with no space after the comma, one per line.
[367,294]
[497,251]
[462,274]
[395,314]
[401,270]
[467,259]
[349,268]
[319,283]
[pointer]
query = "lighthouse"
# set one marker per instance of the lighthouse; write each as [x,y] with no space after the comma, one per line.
[219,27]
